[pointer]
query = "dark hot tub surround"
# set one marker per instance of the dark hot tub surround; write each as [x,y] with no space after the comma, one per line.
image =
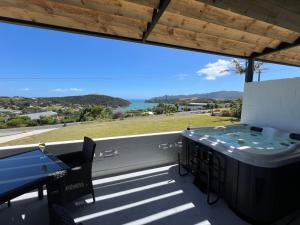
[246,167]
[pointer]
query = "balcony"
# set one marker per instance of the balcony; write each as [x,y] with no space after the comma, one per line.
[136,181]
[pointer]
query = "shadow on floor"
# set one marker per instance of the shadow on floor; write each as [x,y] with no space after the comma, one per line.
[157,196]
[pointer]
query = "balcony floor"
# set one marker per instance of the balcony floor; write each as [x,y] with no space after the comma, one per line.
[156,196]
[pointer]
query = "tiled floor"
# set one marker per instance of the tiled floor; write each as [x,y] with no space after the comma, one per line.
[156,196]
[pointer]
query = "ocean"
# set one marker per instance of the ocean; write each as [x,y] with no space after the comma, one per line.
[135,105]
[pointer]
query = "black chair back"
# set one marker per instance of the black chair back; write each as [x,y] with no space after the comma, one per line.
[88,150]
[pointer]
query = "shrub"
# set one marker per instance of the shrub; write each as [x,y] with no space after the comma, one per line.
[118,115]
[21,121]
[3,125]
[95,112]
[47,120]
[226,113]
[165,109]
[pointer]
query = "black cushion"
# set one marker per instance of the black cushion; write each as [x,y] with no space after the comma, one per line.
[295,136]
[257,129]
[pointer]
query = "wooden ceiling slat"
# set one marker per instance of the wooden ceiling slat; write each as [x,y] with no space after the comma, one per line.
[148,3]
[198,10]
[285,56]
[187,23]
[158,38]
[275,14]
[76,13]
[209,39]
[289,54]
[196,44]
[114,7]
[62,21]
[287,5]
[281,59]
[294,50]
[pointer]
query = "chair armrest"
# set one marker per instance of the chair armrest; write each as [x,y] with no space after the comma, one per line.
[83,171]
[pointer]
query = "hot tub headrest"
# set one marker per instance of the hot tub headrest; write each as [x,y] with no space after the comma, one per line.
[295,136]
[257,129]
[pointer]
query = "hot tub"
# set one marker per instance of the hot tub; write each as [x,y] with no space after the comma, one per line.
[257,168]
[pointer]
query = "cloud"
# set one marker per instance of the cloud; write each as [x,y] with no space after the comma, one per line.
[212,71]
[182,76]
[67,90]
[25,89]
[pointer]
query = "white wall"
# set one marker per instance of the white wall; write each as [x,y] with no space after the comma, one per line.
[274,103]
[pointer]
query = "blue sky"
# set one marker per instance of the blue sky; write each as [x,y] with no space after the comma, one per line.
[37,62]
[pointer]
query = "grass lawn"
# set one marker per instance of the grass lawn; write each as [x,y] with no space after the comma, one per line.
[138,125]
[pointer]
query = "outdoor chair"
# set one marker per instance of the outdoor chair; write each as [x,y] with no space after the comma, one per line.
[61,216]
[78,180]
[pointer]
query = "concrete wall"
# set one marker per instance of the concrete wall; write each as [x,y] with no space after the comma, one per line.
[118,154]
[274,103]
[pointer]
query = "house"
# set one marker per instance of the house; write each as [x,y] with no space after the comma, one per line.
[193,106]
[36,116]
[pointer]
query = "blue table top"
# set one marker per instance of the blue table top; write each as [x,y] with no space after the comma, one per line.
[25,168]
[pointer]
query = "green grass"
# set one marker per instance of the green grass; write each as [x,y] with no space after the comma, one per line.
[132,126]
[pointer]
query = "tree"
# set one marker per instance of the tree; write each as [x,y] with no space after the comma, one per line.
[162,108]
[242,69]
[236,108]
[95,112]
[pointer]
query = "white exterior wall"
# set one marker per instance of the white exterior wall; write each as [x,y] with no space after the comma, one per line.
[274,103]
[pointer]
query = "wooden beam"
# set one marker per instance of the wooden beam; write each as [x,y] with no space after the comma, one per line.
[199,44]
[67,22]
[284,56]
[279,14]
[211,40]
[249,71]
[282,46]
[228,19]
[76,14]
[98,33]
[280,61]
[157,13]
[114,7]
[195,25]
[149,3]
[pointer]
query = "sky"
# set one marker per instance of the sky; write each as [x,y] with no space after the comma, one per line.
[39,62]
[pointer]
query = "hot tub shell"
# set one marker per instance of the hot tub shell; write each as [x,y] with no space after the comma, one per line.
[261,186]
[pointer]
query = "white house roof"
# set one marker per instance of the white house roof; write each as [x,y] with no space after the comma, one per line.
[35,116]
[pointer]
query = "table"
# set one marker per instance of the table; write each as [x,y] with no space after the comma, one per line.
[27,171]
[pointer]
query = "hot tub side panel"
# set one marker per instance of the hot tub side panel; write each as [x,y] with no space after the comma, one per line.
[258,194]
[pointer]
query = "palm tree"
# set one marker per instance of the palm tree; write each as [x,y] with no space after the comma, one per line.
[242,69]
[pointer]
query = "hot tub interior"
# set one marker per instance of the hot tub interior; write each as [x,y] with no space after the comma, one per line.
[243,136]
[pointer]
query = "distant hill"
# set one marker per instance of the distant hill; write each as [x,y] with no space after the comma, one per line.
[82,100]
[87,100]
[218,95]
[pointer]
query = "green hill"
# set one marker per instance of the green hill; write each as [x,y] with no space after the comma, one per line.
[82,100]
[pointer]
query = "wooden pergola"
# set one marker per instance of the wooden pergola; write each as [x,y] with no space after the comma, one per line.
[267,30]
